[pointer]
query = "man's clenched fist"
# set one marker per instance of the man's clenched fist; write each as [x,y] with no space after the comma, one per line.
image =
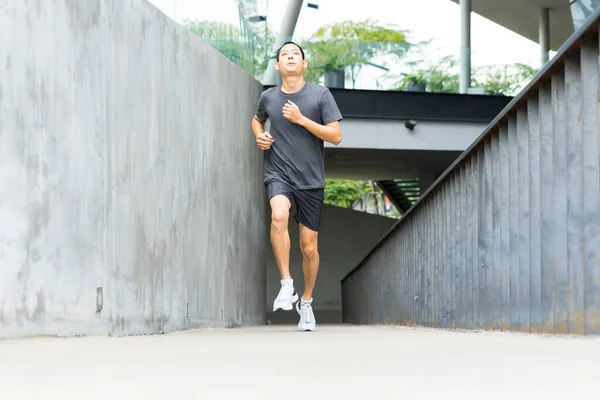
[264,141]
[291,111]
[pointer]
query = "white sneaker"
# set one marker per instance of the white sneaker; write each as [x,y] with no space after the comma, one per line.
[307,317]
[286,297]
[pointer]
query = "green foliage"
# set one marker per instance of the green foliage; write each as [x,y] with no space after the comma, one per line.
[504,79]
[350,45]
[342,192]
[225,38]
[439,77]
[263,44]
[250,54]
[442,76]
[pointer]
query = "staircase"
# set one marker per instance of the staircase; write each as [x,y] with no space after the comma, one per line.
[401,192]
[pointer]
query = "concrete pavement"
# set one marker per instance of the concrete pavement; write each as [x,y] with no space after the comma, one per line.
[273,362]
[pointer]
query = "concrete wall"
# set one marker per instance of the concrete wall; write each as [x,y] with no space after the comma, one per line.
[345,239]
[508,239]
[126,163]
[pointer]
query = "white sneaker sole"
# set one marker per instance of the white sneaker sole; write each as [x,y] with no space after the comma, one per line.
[307,328]
[285,306]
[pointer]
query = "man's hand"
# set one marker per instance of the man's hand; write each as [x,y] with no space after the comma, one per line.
[264,141]
[292,112]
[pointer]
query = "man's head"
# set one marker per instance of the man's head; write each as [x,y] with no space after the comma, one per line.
[290,60]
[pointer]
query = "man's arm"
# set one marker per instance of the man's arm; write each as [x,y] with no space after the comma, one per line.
[263,139]
[331,132]
[258,126]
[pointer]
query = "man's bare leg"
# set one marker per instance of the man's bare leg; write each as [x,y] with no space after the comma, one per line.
[280,236]
[310,260]
[280,240]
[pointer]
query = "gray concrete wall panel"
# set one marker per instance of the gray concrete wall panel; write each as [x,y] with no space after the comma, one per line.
[127,164]
[508,238]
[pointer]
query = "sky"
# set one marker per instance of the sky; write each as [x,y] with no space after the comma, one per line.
[424,19]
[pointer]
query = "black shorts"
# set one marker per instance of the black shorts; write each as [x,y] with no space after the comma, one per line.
[309,202]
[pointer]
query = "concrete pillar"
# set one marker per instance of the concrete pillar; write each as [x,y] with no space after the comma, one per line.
[465,47]
[286,32]
[544,33]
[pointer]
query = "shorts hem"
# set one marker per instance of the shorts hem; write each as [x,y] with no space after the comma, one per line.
[270,180]
[309,187]
[306,224]
[287,196]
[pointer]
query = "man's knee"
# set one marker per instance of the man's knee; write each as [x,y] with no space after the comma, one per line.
[280,211]
[309,248]
[280,217]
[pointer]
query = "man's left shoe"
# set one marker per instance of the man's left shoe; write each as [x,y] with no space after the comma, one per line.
[286,297]
[307,317]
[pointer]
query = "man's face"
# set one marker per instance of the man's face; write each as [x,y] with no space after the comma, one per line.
[290,60]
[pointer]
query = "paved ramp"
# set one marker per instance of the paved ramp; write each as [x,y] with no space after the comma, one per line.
[273,362]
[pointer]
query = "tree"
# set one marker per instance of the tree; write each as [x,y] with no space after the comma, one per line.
[442,76]
[439,77]
[504,79]
[250,51]
[343,192]
[264,42]
[227,39]
[350,45]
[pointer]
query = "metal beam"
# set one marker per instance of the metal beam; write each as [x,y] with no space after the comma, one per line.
[286,32]
[419,106]
[465,48]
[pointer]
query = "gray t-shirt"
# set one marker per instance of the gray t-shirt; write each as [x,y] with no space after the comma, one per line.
[296,156]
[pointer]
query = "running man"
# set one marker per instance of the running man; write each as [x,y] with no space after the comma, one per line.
[303,116]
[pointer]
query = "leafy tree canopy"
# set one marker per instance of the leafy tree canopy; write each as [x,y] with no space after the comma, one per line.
[442,76]
[251,51]
[351,45]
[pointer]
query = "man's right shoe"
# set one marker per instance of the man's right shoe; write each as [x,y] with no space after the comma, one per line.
[286,298]
[307,317]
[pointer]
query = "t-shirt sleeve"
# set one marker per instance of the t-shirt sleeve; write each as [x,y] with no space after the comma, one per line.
[261,110]
[329,109]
